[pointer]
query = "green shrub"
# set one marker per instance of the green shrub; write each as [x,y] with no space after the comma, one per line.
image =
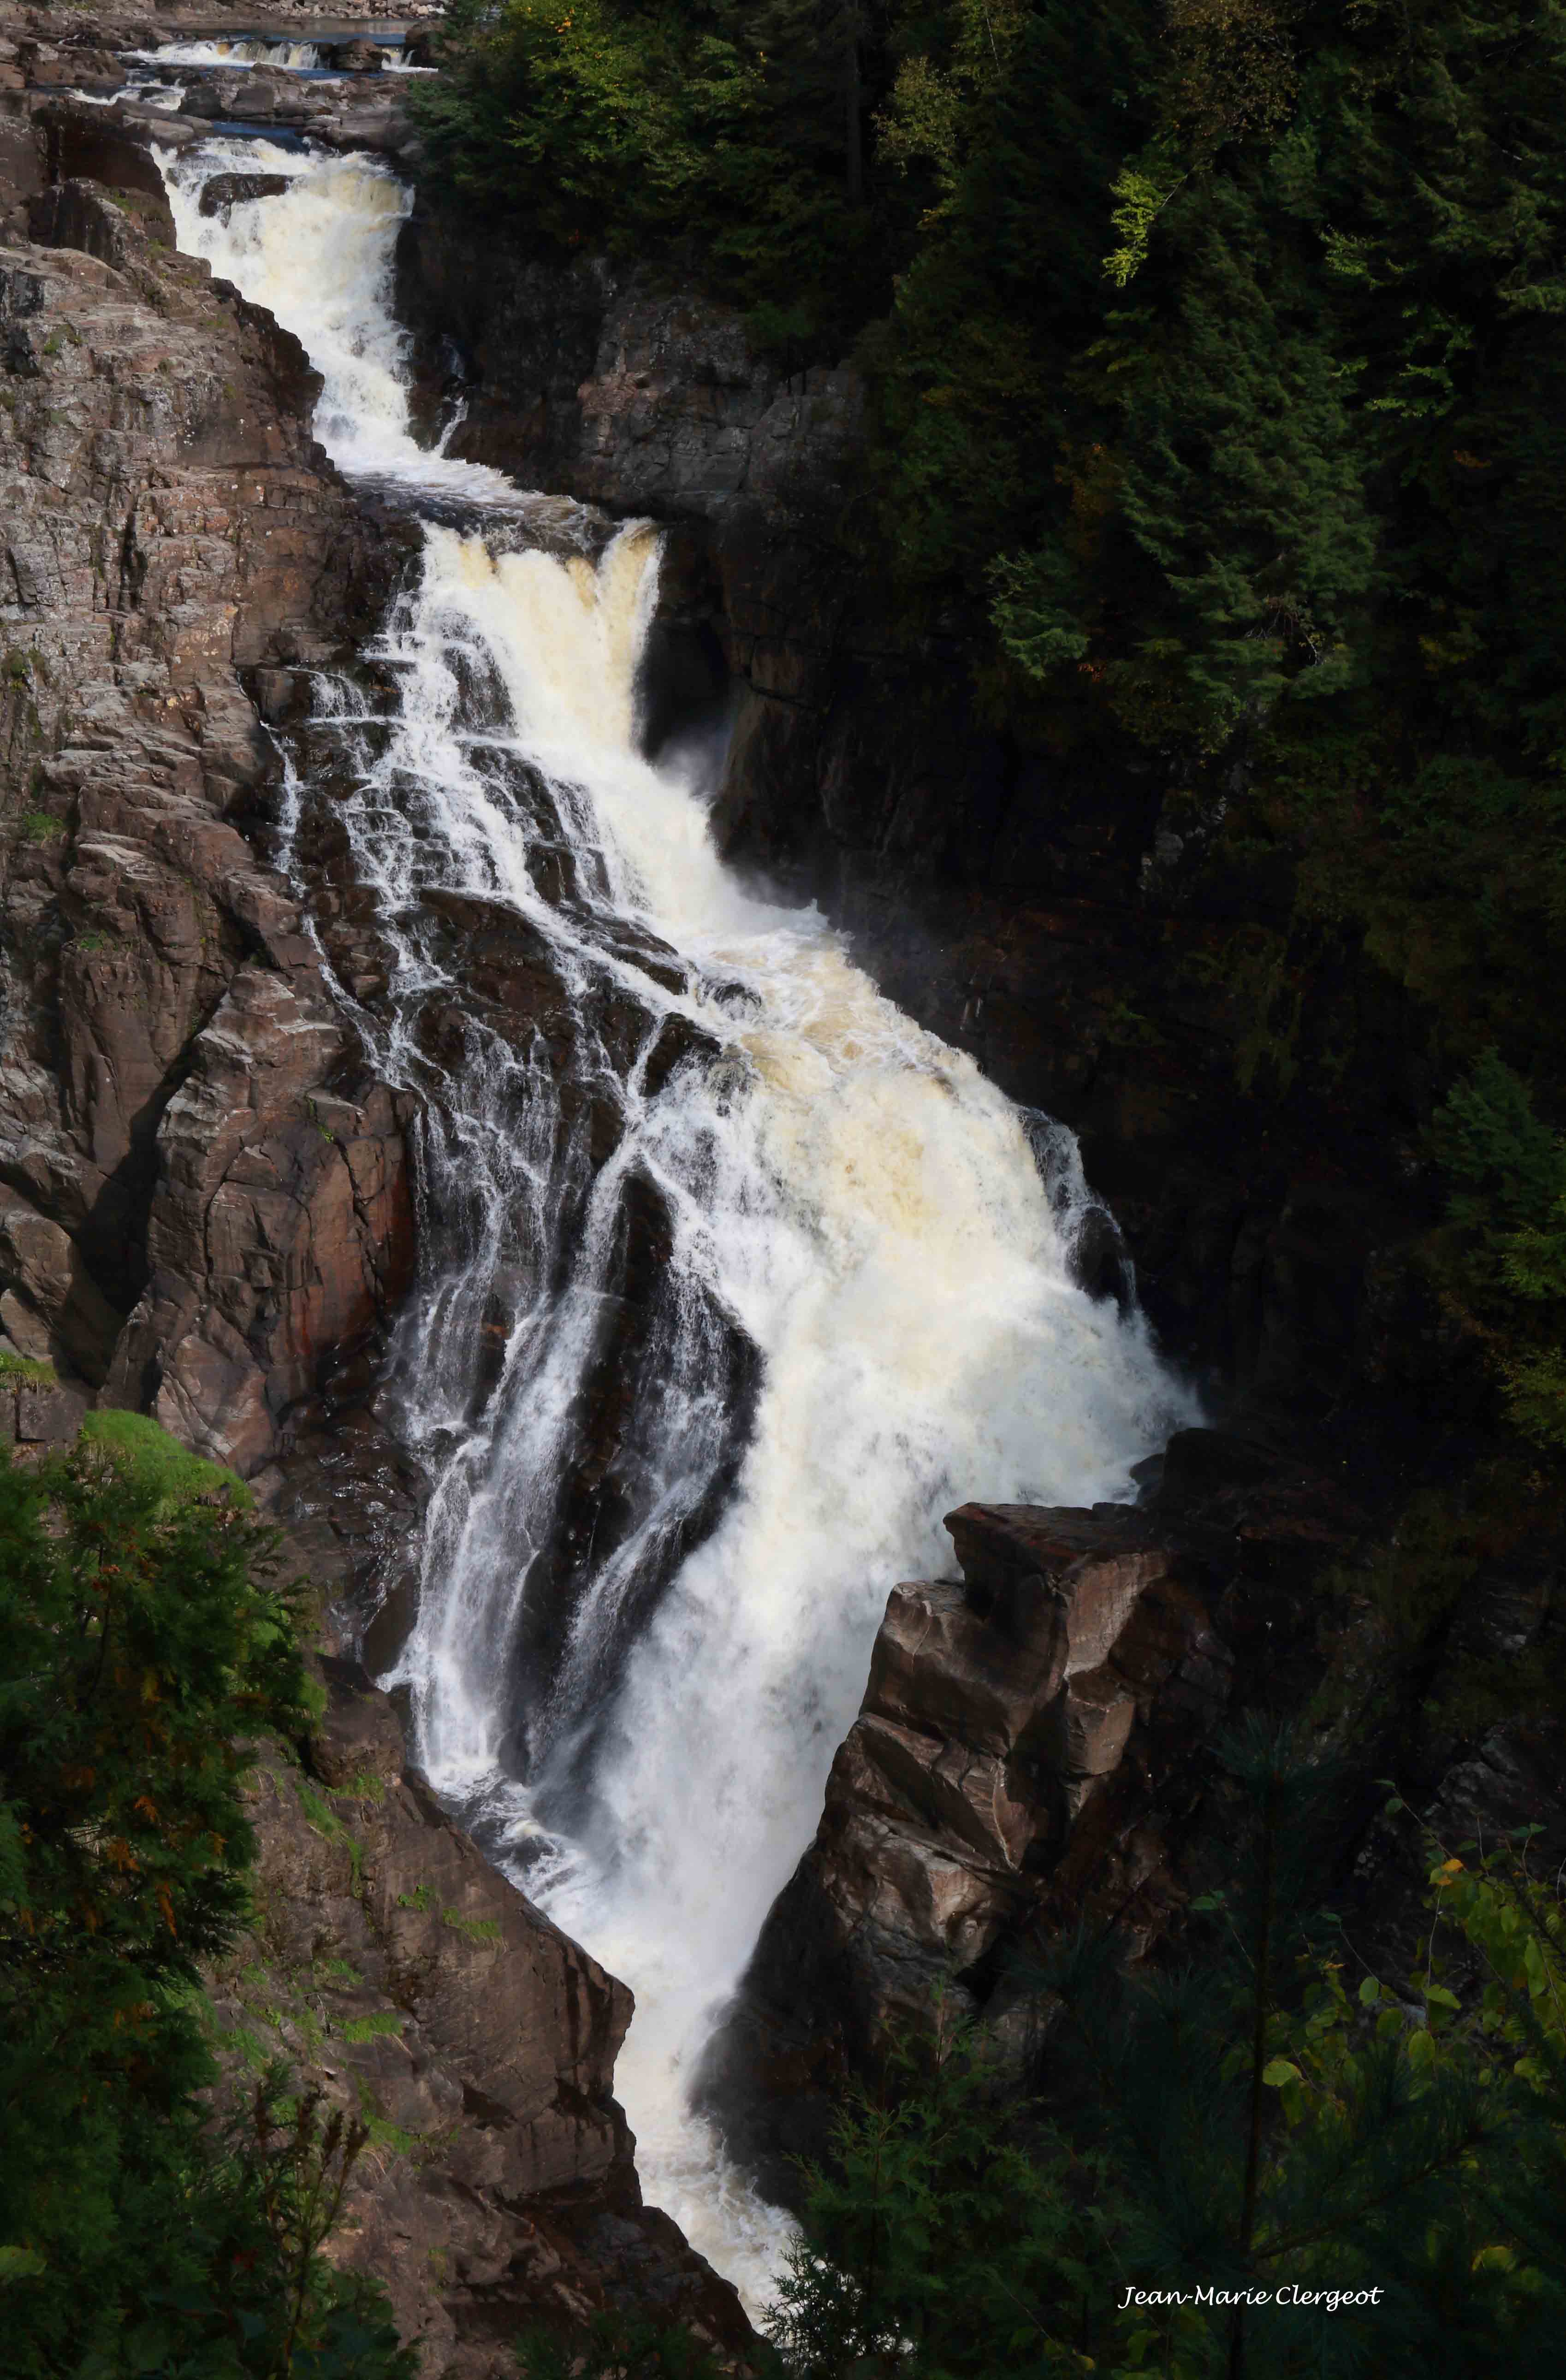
[32,1370]
[136,1443]
[141,1655]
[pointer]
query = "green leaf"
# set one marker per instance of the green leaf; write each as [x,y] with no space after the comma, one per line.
[1278,2070]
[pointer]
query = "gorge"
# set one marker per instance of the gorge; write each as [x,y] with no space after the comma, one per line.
[491,1058]
[853,1292]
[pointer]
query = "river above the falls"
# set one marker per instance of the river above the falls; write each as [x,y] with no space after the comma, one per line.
[733,1279]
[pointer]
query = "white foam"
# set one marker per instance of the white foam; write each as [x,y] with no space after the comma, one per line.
[858,1198]
[321,256]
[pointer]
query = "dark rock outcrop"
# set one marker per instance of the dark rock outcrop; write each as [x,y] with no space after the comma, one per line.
[1033,1753]
[225,191]
[597,382]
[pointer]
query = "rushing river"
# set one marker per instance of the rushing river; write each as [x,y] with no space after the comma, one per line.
[856,1307]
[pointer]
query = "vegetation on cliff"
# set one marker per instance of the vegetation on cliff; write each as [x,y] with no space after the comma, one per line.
[1275,2117]
[1218,360]
[142,1652]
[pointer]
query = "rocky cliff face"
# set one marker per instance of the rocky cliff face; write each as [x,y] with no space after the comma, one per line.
[205,1213]
[393,1971]
[1036,1752]
[220,1189]
[1032,1753]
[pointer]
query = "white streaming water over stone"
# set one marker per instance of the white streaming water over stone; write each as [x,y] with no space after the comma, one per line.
[244,50]
[239,50]
[835,1192]
[319,258]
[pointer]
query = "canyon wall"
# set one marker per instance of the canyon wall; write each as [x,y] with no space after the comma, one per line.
[1064,917]
[206,1213]
[206,1194]
[1061,918]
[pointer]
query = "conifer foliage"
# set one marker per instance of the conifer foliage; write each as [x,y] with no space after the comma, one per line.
[1217,358]
[143,1654]
[1301,2168]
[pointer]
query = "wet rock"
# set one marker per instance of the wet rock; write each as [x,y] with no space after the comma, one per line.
[225,191]
[353,58]
[213,100]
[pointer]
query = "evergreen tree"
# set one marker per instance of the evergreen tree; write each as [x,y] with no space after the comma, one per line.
[142,1654]
[1257,2121]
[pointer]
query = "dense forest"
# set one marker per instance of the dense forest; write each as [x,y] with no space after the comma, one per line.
[1217,357]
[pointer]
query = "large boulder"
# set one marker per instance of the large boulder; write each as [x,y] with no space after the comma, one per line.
[225,191]
[997,1710]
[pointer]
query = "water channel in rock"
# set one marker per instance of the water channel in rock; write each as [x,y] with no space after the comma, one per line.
[733,1279]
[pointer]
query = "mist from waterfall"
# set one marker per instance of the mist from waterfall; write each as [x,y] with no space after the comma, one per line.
[858,1302]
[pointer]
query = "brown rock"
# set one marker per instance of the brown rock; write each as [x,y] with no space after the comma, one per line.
[43,1270]
[395,1972]
[1002,1720]
[163,520]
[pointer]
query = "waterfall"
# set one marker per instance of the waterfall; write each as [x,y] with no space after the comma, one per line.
[732,1277]
[246,50]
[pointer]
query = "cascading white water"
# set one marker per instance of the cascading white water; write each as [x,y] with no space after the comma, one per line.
[257,50]
[243,50]
[321,260]
[830,1188]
